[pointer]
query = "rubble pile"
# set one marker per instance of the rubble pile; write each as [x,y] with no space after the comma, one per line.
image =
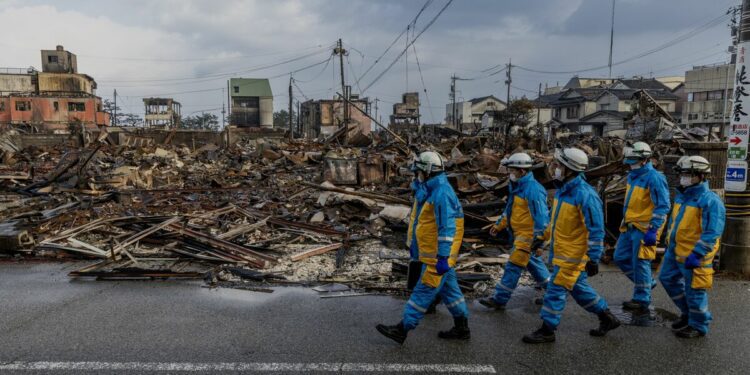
[258,212]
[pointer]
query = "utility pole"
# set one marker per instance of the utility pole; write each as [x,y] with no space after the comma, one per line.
[611,38]
[538,120]
[229,101]
[291,131]
[376,107]
[339,50]
[299,117]
[454,113]
[223,116]
[735,251]
[223,111]
[114,120]
[406,58]
[508,82]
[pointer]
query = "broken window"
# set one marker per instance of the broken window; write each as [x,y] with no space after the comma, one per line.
[23,106]
[76,107]
[56,105]
[52,59]
[236,89]
[2,106]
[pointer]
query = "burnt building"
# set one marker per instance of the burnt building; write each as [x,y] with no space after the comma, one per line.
[162,113]
[250,103]
[324,117]
[51,99]
[406,114]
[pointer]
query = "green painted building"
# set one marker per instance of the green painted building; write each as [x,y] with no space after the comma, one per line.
[250,102]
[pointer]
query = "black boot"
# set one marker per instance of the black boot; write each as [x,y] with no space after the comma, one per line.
[689,333]
[396,333]
[634,306]
[680,323]
[540,336]
[607,322]
[460,330]
[490,303]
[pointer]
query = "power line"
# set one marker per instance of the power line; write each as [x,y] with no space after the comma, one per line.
[659,48]
[377,60]
[157,60]
[220,75]
[424,87]
[351,71]
[243,84]
[432,21]
[320,73]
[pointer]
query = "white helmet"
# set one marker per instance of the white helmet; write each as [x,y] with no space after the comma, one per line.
[637,152]
[519,160]
[573,158]
[428,162]
[693,164]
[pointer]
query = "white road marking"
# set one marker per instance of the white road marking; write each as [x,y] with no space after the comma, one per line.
[245,366]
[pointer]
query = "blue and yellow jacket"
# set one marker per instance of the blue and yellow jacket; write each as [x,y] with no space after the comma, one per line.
[437,226]
[526,214]
[646,199]
[420,196]
[576,233]
[696,225]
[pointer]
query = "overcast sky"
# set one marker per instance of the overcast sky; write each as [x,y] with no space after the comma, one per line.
[187,49]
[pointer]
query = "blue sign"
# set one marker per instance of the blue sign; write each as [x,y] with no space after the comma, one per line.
[736,174]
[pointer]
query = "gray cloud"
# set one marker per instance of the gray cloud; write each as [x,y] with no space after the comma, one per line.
[137,41]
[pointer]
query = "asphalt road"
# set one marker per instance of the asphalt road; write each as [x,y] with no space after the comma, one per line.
[50,324]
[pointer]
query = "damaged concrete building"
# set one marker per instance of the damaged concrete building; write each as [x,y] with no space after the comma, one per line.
[250,103]
[52,99]
[406,114]
[162,113]
[324,117]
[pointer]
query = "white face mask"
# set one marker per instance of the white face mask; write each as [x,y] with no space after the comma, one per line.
[558,174]
[635,166]
[420,176]
[513,177]
[686,181]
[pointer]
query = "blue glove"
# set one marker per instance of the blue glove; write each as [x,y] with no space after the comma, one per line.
[442,265]
[693,261]
[649,239]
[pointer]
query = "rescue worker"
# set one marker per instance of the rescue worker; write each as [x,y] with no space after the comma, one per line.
[644,213]
[415,266]
[438,232]
[576,236]
[694,230]
[526,216]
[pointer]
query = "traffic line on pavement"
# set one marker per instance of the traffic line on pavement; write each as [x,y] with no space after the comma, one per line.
[245,366]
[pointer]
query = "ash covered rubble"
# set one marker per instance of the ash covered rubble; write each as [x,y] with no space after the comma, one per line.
[261,212]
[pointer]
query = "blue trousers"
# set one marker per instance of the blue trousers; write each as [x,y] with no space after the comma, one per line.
[556,297]
[637,270]
[507,284]
[423,295]
[692,303]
